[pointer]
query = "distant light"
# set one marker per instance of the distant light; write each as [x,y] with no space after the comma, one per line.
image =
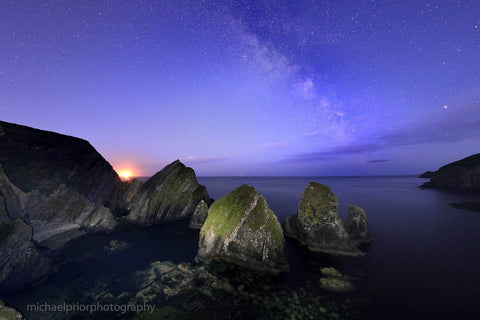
[125,174]
[445,107]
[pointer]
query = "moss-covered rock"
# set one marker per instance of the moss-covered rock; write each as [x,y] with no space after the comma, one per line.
[171,194]
[317,223]
[199,215]
[335,281]
[357,225]
[241,229]
[7,313]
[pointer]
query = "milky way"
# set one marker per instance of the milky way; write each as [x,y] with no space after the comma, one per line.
[249,87]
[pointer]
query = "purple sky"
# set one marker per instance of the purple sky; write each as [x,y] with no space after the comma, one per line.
[249,87]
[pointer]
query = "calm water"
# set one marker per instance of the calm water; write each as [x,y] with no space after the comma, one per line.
[423,263]
[425,258]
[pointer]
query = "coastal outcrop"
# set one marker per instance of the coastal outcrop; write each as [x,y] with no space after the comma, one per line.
[241,229]
[318,226]
[59,187]
[171,194]
[459,176]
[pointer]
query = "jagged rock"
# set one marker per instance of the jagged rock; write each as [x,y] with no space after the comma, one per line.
[462,175]
[199,215]
[171,194]
[317,223]
[21,262]
[241,229]
[357,225]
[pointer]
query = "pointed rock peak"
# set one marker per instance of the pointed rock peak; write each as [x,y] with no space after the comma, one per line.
[176,163]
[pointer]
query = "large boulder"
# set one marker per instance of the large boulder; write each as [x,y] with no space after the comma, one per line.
[171,194]
[241,229]
[317,224]
[460,176]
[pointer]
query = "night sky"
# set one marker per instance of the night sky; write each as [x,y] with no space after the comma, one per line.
[249,87]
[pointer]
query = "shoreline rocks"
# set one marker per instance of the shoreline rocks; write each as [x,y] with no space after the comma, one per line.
[240,228]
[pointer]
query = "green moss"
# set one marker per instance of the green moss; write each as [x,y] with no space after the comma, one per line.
[7,315]
[225,213]
[262,215]
[316,201]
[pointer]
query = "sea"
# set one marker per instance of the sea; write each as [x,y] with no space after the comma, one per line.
[423,263]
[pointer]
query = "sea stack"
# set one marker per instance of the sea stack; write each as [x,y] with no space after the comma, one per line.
[171,194]
[318,226]
[241,229]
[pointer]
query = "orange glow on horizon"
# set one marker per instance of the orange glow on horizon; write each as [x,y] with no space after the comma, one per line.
[126,172]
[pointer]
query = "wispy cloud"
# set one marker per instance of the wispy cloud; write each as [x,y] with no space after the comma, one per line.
[460,126]
[202,160]
[377,161]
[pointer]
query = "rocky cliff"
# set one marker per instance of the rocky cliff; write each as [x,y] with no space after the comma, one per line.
[241,229]
[460,176]
[318,226]
[58,187]
[171,194]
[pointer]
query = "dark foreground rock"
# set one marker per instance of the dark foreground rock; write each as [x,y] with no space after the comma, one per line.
[318,226]
[21,262]
[170,195]
[241,229]
[458,176]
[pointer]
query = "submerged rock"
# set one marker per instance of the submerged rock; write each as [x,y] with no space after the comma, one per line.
[357,225]
[241,229]
[462,175]
[335,281]
[199,215]
[317,223]
[171,194]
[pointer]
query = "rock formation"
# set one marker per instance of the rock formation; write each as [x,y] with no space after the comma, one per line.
[357,225]
[171,194]
[199,215]
[318,226]
[241,229]
[21,262]
[58,187]
[461,176]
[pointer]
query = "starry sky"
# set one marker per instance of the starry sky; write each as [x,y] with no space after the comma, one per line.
[255,88]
